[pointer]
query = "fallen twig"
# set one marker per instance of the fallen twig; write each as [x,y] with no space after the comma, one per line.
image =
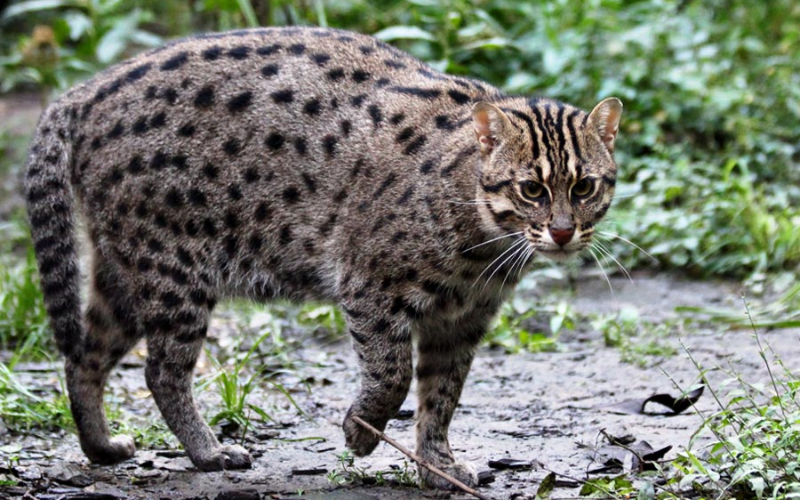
[422,463]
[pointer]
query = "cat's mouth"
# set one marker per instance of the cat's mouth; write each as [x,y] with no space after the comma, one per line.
[558,255]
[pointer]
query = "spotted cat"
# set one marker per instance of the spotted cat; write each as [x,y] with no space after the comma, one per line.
[302,163]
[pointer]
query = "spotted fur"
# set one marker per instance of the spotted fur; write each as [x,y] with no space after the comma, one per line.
[306,164]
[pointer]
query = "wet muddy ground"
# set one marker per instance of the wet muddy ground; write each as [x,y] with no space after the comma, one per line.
[545,409]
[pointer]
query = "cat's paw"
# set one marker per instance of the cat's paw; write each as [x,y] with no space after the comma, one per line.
[463,471]
[223,458]
[360,440]
[117,449]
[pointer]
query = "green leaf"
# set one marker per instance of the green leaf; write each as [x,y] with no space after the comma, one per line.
[36,6]
[546,486]
[403,33]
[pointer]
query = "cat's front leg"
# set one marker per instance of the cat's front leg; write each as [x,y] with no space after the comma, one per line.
[383,346]
[444,362]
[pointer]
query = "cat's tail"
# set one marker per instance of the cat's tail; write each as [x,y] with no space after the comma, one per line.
[50,202]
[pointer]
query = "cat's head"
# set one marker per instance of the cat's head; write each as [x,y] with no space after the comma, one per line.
[547,170]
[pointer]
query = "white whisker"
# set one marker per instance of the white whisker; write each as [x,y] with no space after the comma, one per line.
[519,248]
[611,288]
[634,245]
[515,244]
[493,239]
[607,253]
[519,253]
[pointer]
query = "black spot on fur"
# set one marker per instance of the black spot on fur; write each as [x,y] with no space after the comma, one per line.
[197,197]
[297,49]
[300,146]
[375,114]
[212,53]
[179,161]
[417,92]
[309,182]
[139,127]
[232,146]
[405,134]
[320,59]
[335,74]
[240,102]
[358,100]
[312,107]
[186,130]
[159,120]
[291,194]
[387,182]
[171,96]
[284,96]
[458,97]
[158,161]
[394,64]
[175,61]
[251,175]
[171,300]
[231,221]
[285,236]
[275,141]
[269,70]
[268,50]
[262,212]
[415,145]
[346,127]
[397,118]
[210,171]
[235,193]
[138,72]
[427,166]
[173,198]
[406,196]
[443,122]
[204,97]
[361,76]
[115,132]
[135,165]
[239,53]
[329,144]
[209,228]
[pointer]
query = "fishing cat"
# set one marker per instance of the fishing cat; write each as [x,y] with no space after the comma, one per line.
[304,163]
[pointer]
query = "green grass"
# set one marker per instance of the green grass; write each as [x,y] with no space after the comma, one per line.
[753,438]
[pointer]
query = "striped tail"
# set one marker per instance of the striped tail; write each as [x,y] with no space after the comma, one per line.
[49,197]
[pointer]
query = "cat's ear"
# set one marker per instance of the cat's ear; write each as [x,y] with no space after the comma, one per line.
[604,119]
[489,123]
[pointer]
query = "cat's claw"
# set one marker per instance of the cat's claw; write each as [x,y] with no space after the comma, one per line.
[118,449]
[225,457]
[463,471]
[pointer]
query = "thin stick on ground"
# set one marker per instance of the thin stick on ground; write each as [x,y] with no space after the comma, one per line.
[422,463]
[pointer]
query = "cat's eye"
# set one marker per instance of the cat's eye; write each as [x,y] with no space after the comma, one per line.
[583,188]
[532,190]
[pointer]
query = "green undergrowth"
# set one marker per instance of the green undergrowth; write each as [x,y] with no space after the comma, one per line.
[707,147]
[749,447]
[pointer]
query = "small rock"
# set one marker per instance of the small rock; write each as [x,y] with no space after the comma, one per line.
[510,464]
[268,434]
[69,476]
[309,471]
[250,494]
[485,477]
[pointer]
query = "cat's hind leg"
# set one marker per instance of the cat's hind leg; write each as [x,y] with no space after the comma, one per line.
[110,333]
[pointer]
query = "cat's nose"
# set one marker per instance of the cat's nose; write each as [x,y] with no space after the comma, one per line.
[562,236]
